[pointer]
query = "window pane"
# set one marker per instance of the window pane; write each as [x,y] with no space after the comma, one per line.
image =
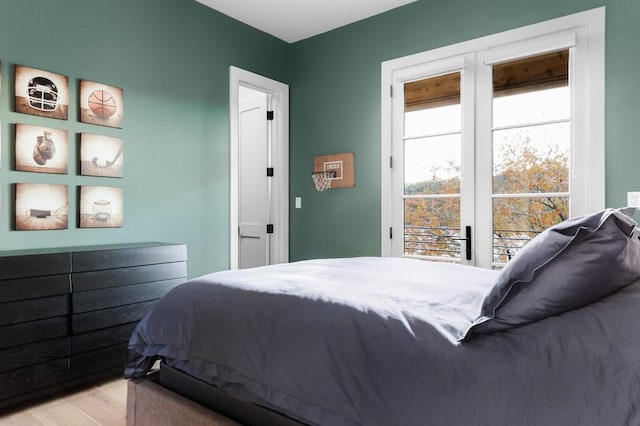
[518,220]
[432,165]
[531,90]
[531,159]
[430,226]
[532,107]
[432,121]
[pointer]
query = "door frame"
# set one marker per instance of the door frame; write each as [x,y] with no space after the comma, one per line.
[279,160]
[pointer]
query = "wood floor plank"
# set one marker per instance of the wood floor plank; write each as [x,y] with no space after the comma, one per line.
[114,389]
[20,419]
[60,413]
[100,405]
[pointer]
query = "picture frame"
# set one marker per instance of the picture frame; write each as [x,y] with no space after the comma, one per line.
[101,206]
[41,207]
[42,93]
[41,149]
[101,104]
[101,155]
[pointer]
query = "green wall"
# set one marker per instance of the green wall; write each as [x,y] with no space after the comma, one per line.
[335,105]
[172,59]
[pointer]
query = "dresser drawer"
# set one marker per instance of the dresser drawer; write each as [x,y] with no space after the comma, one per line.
[33,309]
[85,301]
[33,353]
[104,318]
[95,280]
[33,287]
[93,340]
[23,380]
[150,254]
[20,334]
[34,264]
[95,361]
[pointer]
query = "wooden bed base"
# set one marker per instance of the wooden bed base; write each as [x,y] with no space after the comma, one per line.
[149,404]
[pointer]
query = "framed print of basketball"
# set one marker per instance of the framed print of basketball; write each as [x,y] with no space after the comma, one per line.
[41,93]
[41,149]
[101,104]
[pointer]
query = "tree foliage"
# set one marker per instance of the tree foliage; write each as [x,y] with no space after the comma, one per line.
[521,171]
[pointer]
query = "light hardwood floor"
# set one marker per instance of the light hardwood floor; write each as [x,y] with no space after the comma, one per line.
[103,404]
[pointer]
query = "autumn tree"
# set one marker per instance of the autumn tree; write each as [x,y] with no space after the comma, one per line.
[432,225]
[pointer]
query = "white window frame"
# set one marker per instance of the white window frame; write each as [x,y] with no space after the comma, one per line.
[584,33]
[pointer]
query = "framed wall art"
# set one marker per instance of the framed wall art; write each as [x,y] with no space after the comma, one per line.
[101,207]
[41,206]
[101,104]
[41,93]
[101,156]
[41,149]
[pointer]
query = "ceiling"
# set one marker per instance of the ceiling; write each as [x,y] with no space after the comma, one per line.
[294,20]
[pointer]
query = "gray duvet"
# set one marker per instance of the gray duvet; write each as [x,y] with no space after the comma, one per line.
[374,341]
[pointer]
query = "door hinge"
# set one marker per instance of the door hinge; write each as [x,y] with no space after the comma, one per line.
[269,115]
[270,171]
[391,162]
[390,232]
[391,91]
[270,228]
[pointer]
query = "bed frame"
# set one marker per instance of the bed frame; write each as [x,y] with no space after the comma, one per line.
[170,396]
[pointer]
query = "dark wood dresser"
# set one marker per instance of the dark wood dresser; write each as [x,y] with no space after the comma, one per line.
[66,314]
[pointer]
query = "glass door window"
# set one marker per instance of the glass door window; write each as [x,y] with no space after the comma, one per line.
[531,136]
[432,167]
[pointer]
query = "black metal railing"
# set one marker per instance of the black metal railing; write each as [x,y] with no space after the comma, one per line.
[424,241]
[445,242]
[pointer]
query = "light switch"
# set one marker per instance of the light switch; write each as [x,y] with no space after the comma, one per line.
[633,199]
[298,202]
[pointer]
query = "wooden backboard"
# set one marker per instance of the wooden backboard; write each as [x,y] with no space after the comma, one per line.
[342,164]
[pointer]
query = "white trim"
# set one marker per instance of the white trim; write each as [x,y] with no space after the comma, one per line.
[279,94]
[585,31]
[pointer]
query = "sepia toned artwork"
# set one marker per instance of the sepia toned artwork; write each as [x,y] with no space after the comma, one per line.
[41,149]
[41,93]
[101,104]
[101,156]
[41,206]
[101,207]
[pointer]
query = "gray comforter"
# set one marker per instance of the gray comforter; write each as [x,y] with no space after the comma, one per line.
[373,341]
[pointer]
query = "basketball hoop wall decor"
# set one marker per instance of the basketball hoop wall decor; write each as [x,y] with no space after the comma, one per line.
[337,169]
[101,104]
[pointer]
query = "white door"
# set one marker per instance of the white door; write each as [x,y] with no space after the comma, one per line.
[258,172]
[254,190]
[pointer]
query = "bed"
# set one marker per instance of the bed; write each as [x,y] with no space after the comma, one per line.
[549,340]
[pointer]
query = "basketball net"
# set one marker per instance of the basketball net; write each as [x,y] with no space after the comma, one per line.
[322,180]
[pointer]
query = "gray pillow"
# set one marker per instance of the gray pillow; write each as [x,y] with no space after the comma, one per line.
[569,265]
